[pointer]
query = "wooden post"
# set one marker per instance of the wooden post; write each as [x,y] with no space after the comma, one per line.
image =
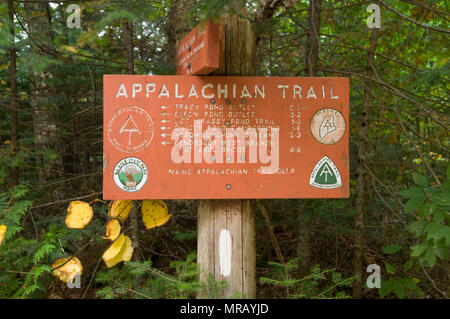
[226,228]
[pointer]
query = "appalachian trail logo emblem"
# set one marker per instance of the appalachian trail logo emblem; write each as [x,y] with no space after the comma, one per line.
[325,175]
[130,174]
[130,129]
[328,126]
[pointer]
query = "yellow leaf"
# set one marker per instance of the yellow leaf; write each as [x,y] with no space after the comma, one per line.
[68,48]
[128,249]
[121,209]
[69,270]
[154,213]
[120,250]
[115,248]
[79,214]
[2,232]
[112,229]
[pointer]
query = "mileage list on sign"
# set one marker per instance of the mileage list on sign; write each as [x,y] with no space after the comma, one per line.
[200,137]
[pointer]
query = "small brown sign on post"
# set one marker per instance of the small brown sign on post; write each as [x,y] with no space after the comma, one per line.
[192,137]
[198,52]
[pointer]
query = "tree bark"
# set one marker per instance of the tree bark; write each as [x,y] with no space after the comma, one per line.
[45,113]
[303,247]
[311,67]
[177,27]
[128,45]
[134,218]
[14,135]
[361,195]
[313,42]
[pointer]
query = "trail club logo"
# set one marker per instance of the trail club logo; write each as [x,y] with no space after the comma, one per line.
[328,126]
[130,174]
[325,175]
[130,129]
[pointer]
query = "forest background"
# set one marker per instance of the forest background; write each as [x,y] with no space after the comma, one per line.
[51,148]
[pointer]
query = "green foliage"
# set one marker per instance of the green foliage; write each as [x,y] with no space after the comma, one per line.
[25,263]
[317,284]
[401,287]
[19,255]
[431,219]
[192,234]
[392,249]
[430,206]
[142,280]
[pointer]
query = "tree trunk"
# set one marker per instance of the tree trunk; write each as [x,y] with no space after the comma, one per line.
[303,249]
[134,218]
[14,173]
[128,45]
[177,27]
[45,113]
[361,196]
[311,67]
[313,42]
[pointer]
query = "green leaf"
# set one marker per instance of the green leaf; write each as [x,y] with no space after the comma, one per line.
[389,268]
[448,171]
[416,227]
[399,289]
[413,203]
[444,232]
[419,179]
[441,252]
[407,265]
[412,192]
[19,191]
[438,216]
[436,230]
[392,249]
[445,187]
[418,250]
[429,257]
[386,287]
[428,209]
[442,199]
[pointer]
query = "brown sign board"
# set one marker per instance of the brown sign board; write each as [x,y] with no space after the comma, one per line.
[193,137]
[198,52]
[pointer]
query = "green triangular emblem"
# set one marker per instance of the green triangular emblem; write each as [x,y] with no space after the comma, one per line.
[325,175]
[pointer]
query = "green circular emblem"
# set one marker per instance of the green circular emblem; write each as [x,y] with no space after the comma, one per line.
[130,174]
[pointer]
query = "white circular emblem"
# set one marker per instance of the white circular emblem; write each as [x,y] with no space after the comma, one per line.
[328,126]
[130,174]
[130,129]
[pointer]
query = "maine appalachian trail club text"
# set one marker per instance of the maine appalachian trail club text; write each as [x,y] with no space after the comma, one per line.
[234,308]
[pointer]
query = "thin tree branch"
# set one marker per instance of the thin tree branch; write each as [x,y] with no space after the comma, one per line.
[273,238]
[429,27]
[417,148]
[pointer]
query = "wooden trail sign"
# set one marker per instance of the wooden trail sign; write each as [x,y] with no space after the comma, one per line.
[177,137]
[198,52]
